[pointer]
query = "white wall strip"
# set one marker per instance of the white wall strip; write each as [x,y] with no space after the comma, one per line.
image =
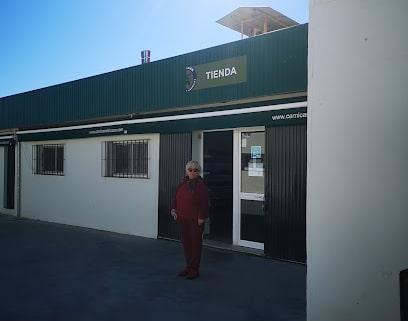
[6,137]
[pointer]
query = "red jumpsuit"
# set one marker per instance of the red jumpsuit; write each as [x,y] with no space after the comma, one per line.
[191,203]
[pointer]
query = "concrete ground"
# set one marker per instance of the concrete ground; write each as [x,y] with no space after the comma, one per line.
[57,272]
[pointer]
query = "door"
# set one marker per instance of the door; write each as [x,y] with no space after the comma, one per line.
[9,175]
[218,174]
[251,189]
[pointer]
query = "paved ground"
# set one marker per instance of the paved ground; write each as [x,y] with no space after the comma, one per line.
[57,272]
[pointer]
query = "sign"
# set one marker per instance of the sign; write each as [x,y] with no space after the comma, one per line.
[216,74]
[256,152]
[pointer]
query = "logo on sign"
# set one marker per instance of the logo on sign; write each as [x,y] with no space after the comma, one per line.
[191,78]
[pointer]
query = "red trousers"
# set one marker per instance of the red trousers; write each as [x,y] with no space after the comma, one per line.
[192,239]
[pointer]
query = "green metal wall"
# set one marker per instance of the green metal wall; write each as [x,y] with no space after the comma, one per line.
[276,64]
[175,152]
[285,193]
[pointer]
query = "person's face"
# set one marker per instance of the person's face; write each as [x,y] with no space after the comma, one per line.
[192,172]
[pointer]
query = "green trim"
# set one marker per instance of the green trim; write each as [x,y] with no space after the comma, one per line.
[266,118]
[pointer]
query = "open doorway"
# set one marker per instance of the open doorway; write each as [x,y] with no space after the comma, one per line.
[218,173]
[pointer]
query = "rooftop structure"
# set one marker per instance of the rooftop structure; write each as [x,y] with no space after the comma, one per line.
[252,21]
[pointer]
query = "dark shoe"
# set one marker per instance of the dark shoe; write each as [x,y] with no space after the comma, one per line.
[183,273]
[192,275]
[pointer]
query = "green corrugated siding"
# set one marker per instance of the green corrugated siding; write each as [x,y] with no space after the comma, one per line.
[276,63]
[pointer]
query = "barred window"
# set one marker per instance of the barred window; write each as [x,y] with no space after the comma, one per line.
[48,159]
[127,158]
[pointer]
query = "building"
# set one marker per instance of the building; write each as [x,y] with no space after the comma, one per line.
[345,72]
[108,151]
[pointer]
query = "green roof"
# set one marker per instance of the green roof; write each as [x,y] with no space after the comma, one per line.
[275,65]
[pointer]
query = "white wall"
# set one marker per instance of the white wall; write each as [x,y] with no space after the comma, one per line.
[84,198]
[357,213]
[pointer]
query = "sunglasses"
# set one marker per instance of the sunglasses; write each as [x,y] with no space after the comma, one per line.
[195,170]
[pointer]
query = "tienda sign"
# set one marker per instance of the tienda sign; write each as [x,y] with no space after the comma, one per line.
[218,73]
[215,74]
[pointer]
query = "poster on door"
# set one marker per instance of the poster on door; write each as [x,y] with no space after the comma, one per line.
[255,165]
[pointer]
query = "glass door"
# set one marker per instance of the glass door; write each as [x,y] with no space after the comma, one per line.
[252,186]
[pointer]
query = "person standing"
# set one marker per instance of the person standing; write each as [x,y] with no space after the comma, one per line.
[189,208]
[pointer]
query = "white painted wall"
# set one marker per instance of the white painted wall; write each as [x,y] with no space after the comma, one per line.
[84,198]
[357,213]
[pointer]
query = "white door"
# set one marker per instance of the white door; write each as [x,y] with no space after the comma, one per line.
[249,214]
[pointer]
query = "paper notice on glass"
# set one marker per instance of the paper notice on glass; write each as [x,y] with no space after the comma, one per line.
[255,169]
[256,152]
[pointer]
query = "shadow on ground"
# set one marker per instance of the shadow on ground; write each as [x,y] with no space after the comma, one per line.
[57,272]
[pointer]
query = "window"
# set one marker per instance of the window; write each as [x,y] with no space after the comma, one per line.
[48,159]
[127,158]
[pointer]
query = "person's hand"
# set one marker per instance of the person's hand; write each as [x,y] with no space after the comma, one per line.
[174,214]
[201,221]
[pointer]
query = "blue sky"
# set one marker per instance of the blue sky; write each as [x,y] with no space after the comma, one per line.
[47,42]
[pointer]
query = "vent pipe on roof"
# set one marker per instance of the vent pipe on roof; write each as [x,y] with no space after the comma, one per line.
[145,56]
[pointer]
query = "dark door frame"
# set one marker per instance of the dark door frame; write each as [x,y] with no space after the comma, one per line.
[9,175]
[218,173]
